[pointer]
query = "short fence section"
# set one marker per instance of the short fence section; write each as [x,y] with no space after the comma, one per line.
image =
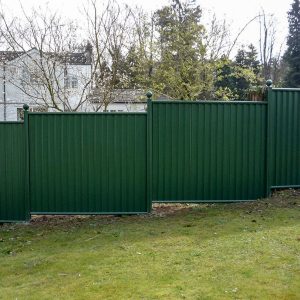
[209,151]
[87,163]
[12,172]
[179,151]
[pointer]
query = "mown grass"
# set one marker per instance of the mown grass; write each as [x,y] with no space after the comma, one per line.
[231,251]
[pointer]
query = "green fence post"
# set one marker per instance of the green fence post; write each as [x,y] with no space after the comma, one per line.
[270,119]
[27,178]
[149,151]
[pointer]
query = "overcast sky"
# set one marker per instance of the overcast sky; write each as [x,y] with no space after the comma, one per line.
[237,12]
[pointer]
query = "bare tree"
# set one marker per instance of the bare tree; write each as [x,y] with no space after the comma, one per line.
[46,63]
[109,30]
[217,38]
[234,43]
[267,39]
[144,40]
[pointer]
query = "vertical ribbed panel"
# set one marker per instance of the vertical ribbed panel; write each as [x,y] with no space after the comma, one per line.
[284,133]
[206,151]
[12,172]
[88,163]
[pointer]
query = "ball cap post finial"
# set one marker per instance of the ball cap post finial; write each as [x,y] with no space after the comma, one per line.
[269,82]
[25,106]
[149,94]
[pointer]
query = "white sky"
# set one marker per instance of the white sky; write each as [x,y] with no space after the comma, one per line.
[237,12]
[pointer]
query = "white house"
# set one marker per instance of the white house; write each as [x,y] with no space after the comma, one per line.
[121,100]
[45,81]
[58,82]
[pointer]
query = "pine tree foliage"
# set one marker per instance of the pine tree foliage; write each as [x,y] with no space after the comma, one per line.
[292,55]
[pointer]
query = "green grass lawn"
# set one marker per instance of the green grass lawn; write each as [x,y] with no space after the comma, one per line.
[226,251]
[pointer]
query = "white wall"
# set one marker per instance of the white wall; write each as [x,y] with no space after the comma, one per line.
[118,107]
[127,107]
[83,73]
[11,112]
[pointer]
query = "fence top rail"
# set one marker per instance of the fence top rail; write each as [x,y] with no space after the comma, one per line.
[86,113]
[209,102]
[11,122]
[286,89]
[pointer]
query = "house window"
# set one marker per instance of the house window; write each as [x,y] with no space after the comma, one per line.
[71,82]
[14,70]
[24,74]
[32,76]
[34,79]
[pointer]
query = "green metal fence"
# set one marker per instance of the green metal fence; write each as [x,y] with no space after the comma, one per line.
[83,163]
[209,151]
[284,138]
[12,172]
[179,151]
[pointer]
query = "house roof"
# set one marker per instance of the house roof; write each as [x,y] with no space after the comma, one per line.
[9,55]
[79,58]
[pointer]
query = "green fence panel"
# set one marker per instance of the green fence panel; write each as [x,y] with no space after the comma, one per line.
[83,163]
[118,163]
[209,151]
[284,138]
[13,206]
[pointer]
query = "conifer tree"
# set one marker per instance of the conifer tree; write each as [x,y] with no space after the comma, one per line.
[292,55]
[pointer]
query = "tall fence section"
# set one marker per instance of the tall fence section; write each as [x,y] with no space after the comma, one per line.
[213,151]
[119,163]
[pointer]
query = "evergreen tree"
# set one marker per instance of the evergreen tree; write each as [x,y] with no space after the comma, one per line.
[235,78]
[248,59]
[247,70]
[179,71]
[292,55]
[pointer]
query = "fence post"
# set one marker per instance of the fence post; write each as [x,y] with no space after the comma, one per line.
[149,151]
[27,187]
[269,159]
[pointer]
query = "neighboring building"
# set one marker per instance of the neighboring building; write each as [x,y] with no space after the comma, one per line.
[22,81]
[120,100]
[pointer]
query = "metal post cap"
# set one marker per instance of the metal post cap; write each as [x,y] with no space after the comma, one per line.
[25,106]
[269,82]
[149,94]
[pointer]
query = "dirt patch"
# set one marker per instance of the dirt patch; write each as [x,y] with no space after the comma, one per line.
[70,220]
[282,198]
[161,210]
[285,199]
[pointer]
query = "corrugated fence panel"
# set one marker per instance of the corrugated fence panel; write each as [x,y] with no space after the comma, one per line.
[88,163]
[209,151]
[12,172]
[284,135]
